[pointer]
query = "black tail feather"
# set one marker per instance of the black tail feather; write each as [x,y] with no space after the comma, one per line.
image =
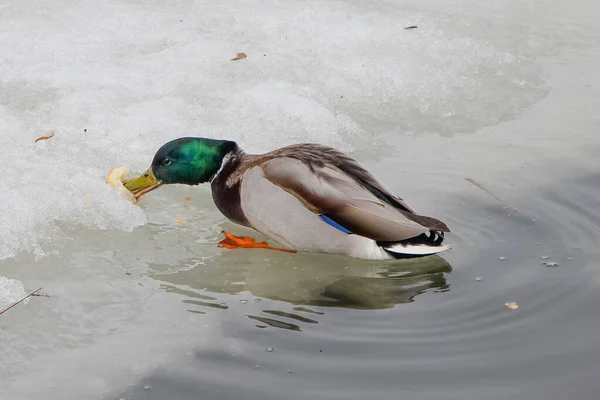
[434,238]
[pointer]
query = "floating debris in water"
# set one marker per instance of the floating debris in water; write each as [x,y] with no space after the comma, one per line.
[501,258]
[269,349]
[411,27]
[180,222]
[290,371]
[480,186]
[257,300]
[512,305]
[239,56]
[243,301]
[147,387]
[188,198]
[478,279]
[51,135]
[256,366]
[550,263]
[87,197]
[544,257]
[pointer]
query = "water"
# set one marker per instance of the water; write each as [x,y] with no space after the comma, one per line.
[144,306]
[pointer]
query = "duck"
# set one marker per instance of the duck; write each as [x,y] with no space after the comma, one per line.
[305,197]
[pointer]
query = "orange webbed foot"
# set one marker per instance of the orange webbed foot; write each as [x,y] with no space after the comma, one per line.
[236,242]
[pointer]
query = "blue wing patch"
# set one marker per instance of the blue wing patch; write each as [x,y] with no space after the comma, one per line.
[334,224]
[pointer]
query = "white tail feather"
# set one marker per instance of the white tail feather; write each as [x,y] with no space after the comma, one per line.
[416,249]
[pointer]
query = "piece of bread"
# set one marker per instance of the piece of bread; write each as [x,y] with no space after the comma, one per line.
[116,177]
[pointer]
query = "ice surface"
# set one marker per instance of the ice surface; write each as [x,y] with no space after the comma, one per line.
[115,80]
[11,290]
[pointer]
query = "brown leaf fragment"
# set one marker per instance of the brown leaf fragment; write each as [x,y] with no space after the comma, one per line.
[239,56]
[44,137]
[512,305]
[411,27]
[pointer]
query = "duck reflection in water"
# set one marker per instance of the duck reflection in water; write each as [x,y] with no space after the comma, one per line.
[307,283]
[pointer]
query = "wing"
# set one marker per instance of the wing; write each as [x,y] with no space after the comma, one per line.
[317,156]
[327,190]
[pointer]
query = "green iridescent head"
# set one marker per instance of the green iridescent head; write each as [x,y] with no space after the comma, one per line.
[188,161]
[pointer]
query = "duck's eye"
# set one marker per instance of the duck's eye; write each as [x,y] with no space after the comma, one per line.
[167,161]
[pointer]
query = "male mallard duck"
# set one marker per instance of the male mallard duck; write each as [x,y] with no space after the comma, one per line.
[306,197]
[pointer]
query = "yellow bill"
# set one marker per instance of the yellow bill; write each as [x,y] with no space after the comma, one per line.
[143,184]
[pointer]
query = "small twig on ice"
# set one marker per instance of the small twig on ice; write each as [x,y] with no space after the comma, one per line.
[22,300]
